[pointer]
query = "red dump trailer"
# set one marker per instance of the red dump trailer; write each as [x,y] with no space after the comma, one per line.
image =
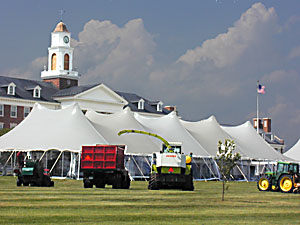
[104,164]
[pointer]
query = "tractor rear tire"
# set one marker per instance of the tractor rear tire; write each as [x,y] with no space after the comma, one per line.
[286,184]
[264,183]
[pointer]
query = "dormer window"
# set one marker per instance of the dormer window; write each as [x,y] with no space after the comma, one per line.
[141,104]
[11,89]
[37,92]
[159,107]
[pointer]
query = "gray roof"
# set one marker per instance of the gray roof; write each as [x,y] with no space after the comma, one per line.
[24,89]
[74,90]
[149,106]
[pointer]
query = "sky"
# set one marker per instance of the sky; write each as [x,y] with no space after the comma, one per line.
[204,56]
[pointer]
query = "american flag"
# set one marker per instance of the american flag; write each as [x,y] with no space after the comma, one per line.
[260,89]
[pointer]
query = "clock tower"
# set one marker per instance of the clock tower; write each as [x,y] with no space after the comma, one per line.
[60,59]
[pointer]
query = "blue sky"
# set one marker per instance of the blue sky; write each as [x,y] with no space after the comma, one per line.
[204,56]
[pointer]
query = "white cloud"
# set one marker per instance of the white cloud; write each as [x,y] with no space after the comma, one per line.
[280,76]
[227,48]
[112,54]
[295,52]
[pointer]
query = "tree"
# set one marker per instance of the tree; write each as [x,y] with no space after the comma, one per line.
[226,160]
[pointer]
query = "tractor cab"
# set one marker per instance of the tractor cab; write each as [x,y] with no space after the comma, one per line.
[283,167]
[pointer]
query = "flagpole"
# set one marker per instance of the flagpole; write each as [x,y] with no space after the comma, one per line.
[257,119]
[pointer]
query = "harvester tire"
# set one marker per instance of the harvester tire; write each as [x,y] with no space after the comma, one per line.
[264,183]
[286,184]
[189,185]
[153,185]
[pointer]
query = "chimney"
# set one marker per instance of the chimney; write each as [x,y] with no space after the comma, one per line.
[172,108]
[267,125]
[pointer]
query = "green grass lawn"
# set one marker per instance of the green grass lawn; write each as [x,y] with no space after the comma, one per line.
[69,203]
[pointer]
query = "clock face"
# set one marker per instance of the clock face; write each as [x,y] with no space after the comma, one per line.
[66,39]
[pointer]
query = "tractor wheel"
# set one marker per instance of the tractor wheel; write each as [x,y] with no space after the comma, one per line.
[52,184]
[286,183]
[153,185]
[19,183]
[264,184]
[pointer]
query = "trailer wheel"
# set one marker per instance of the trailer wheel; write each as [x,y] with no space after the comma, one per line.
[126,182]
[118,181]
[153,185]
[87,184]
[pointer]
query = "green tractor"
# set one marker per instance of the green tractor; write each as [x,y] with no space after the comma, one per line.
[33,174]
[284,178]
[170,168]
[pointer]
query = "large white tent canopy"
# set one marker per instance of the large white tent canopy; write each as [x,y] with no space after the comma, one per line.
[170,128]
[294,152]
[46,129]
[252,144]
[110,125]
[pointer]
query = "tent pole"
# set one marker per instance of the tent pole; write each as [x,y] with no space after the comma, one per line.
[62,164]
[242,173]
[79,158]
[42,156]
[8,159]
[138,167]
[55,162]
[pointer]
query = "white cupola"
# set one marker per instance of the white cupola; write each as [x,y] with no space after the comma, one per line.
[60,59]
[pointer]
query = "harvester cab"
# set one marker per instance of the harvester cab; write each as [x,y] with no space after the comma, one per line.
[170,168]
[284,177]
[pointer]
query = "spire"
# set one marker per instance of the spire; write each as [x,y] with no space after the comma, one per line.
[61,27]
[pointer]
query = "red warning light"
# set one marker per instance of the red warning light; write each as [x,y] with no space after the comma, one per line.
[171,170]
[87,157]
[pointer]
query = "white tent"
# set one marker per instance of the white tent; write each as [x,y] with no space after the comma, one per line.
[46,129]
[252,144]
[294,152]
[170,128]
[110,125]
[208,133]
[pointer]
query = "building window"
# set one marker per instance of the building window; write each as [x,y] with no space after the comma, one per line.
[159,107]
[13,125]
[26,111]
[13,111]
[53,62]
[37,92]
[1,110]
[141,104]
[66,62]
[1,125]
[11,89]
